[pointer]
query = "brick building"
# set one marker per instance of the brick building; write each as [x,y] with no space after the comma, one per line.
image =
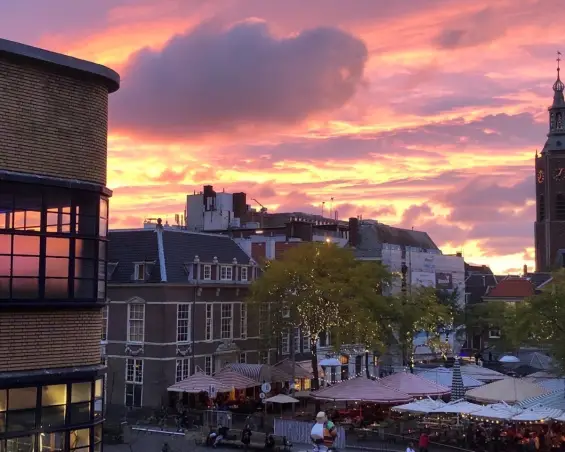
[53,227]
[176,303]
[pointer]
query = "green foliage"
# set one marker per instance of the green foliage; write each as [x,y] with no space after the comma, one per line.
[321,287]
[501,315]
[540,320]
[415,311]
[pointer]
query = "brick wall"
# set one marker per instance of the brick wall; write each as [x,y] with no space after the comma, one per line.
[36,340]
[51,124]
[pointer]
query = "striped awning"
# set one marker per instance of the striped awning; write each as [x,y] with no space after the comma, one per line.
[235,379]
[299,371]
[457,387]
[252,371]
[199,382]
[364,390]
[555,399]
[414,385]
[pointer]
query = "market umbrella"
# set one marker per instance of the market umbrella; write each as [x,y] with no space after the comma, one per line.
[459,407]
[537,413]
[282,398]
[497,411]
[457,387]
[423,406]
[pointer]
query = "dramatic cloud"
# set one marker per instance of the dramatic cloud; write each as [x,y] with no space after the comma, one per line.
[213,80]
[420,114]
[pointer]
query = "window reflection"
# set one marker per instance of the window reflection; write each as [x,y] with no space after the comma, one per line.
[2,424]
[26,245]
[20,420]
[25,288]
[21,444]
[54,395]
[81,392]
[52,442]
[3,394]
[22,398]
[25,266]
[65,211]
[79,438]
[98,389]
[57,247]
[97,433]
[5,244]
[53,416]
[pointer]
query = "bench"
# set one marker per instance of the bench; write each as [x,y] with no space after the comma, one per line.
[257,441]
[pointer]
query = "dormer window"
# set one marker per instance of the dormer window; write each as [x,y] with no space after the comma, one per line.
[226,272]
[207,272]
[244,274]
[110,269]
[139,272]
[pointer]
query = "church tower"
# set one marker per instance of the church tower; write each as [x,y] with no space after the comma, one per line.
[550,186]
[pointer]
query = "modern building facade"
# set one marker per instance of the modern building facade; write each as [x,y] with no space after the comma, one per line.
[53,228]
[176,305]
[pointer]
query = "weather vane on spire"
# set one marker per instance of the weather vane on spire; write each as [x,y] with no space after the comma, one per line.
[558,61]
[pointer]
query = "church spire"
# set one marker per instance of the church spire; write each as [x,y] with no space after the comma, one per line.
[558,86]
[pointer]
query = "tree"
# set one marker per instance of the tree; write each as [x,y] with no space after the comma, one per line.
[540,320]
[317,288]
[480,318]
[415,311]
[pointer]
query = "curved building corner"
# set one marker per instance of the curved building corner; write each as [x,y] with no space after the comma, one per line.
[53,242]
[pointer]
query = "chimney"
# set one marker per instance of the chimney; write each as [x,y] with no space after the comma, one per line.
[525,270]
[459,254]
[354,232]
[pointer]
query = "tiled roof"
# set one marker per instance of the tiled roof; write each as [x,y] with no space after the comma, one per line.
[180,247]
[512,288]
[477,285]
[539,278]
[477,269]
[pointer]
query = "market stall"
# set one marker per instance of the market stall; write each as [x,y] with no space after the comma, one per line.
[414,385]
[509,390]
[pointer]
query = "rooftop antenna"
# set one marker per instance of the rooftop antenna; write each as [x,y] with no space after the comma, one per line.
[323,204]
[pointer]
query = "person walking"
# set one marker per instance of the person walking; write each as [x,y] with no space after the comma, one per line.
[410,448]
[424,442]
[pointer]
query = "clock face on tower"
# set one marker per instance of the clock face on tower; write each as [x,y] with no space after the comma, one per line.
[559,174]
[541,176]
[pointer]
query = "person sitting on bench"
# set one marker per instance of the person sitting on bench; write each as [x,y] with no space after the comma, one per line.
[222,433]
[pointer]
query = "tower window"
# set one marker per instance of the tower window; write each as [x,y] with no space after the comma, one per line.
[541,208]
[560,207]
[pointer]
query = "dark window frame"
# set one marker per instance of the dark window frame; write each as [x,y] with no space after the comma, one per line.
[63,201]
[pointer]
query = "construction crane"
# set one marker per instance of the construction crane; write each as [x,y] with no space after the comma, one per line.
[263,208]
[262,211]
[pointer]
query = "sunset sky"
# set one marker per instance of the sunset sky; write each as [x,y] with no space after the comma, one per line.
[422,114]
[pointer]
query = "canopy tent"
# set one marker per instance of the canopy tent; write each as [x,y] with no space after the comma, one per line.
[330,362]
[362,389]
[423,406]
[259,372]
[444,377]
[509,390]
[555,399]
[481,373]
[459,407]
[538,413]
[509,359]
[551,384]
[307,366]
[560,418]
[282,398]
[497,411]
[199,382]
[235,379]
[414,385]
[287,367]
[542,374]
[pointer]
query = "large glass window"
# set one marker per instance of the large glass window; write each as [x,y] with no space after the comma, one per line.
[48,237]
[53,405]
[52,442]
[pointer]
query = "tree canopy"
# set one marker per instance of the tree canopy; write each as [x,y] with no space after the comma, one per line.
[322,287]
[540,320]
